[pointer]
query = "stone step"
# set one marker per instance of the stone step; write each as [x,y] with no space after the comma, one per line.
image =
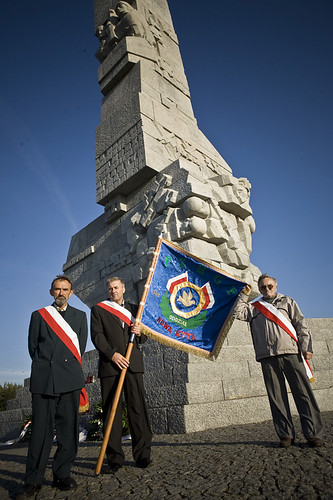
[203,416]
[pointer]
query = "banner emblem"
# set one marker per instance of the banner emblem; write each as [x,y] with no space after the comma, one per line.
[187,299]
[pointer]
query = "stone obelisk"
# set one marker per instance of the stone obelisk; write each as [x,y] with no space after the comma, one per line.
[156,172]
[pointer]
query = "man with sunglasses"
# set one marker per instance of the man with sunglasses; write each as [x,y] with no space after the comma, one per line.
[283,345]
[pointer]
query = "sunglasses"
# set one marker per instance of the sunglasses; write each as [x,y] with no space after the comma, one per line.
[263,287]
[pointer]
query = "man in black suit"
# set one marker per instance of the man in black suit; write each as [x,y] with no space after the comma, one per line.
[111,324]
[57,339]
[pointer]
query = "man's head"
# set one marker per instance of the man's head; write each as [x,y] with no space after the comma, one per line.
[116,288]
[61,290]
[267,286]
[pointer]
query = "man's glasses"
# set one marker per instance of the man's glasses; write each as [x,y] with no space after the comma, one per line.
[263,287]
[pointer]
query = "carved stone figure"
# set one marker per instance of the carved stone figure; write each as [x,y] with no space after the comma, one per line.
[122,21]
[105,43]
[130,22]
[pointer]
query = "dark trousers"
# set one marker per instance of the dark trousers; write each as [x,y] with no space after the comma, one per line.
[290,366]
[49,412]
[137,415]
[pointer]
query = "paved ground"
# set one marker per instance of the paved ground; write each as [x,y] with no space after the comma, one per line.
[241,462]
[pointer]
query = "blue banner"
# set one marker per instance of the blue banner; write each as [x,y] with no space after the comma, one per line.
[189,302]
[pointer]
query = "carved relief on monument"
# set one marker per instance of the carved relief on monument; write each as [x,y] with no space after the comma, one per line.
[116,261]
[130,22]
[127,21]
[122,21]
[146,94]
[123,159]
[114,208]
[184,208]
[176,146]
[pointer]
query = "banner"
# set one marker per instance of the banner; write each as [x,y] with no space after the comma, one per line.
[189,302]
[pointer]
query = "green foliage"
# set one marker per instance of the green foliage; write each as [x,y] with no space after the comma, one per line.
[7,391]
[124,421]
[95,432]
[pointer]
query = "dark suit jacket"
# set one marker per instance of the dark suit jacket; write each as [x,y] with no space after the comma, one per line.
[55,369]
[109,337]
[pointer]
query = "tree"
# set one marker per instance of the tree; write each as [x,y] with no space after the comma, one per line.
[7,391]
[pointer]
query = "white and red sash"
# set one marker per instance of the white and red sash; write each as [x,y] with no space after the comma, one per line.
[272,313]
[120,311]
[65,332]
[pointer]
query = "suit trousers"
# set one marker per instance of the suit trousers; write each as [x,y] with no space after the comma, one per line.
[290,366]
[61,412]
[137,415]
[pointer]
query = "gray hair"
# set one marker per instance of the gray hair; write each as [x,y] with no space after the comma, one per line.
[263,276]
[114,278]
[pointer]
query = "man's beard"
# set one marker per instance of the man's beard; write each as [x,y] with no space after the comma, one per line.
[60,301]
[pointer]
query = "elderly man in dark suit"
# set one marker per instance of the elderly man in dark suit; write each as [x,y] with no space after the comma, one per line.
[57,339]
[111,324]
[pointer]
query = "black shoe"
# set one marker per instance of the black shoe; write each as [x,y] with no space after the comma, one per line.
[65,484]
[113,468]
[315,442]
[143,463]
[30,490]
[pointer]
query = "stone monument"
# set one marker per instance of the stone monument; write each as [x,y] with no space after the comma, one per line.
[156,172]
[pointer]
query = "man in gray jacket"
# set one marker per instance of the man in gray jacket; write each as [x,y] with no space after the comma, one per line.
[283,346]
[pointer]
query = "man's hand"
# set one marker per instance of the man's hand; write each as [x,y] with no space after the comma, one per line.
[136,329]
[247,289]
[120,360]
[307,355]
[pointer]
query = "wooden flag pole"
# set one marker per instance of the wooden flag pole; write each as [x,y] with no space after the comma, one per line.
[148,280]
[127,356]
[114,407]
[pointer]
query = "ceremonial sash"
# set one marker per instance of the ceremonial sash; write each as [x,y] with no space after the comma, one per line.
[65,332]
[272,313]
[120,311]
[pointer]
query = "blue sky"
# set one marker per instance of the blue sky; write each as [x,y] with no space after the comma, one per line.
[260,77]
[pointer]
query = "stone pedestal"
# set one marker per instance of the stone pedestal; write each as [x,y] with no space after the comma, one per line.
[187,394]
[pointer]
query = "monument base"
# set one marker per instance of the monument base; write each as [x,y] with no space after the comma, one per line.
[188,394]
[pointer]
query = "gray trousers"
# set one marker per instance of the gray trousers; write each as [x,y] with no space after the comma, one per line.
[290,366]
